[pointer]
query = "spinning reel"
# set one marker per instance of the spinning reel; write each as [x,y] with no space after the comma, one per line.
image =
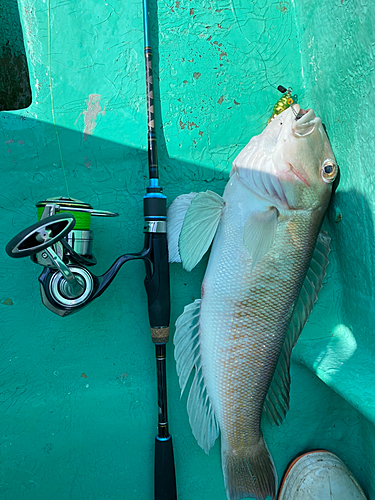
[62,243]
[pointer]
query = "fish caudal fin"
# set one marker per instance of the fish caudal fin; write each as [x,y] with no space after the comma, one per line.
[249,473]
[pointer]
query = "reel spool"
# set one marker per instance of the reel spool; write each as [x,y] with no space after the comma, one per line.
[80,238]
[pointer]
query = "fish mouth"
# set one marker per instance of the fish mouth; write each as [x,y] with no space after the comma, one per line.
[305,115]
[304,123]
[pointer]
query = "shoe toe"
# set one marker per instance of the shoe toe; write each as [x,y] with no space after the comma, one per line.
[319,475]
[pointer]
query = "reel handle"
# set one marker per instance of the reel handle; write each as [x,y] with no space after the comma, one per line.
[40,236]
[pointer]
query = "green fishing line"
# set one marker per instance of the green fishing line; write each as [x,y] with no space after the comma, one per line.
[83,219]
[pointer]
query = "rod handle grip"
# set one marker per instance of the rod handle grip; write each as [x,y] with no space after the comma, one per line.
[165,475]
[160,335]
[157,286]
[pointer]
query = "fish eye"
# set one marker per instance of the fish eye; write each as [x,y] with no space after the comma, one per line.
[329,171]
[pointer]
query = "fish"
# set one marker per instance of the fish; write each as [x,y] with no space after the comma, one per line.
[266,266]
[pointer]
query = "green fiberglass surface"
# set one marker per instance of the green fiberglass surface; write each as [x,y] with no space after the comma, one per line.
[78,400]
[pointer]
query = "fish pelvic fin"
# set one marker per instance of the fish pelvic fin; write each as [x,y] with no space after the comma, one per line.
[249,472]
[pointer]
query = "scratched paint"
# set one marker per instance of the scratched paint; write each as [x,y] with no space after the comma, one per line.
[95,440]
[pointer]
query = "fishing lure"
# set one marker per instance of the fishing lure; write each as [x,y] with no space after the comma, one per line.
[284,102]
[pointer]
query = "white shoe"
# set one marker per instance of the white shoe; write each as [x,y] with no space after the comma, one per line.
[319,475]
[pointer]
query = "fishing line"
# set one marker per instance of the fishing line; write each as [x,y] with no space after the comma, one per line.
[238,24]
[265,71]
[287,100]
[50,86]
[83,219]
[292,99]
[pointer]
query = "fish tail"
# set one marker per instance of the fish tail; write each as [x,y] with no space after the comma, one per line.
[249,472]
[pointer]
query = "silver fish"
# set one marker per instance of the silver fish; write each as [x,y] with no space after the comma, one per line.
[266,266]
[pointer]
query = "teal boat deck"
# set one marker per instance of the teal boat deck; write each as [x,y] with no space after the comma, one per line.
[78,394]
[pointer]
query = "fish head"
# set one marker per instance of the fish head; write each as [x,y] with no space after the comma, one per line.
[304,160]
[291,164]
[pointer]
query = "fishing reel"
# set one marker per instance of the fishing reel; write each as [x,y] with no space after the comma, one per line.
[61,242]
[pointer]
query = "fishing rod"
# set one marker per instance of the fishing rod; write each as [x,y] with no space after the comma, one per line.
[155,213]
[61,242]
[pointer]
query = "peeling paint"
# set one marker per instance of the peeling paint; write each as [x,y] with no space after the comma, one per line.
[87,162]
[188,125]
[282,7]
[8,302]
[90,114]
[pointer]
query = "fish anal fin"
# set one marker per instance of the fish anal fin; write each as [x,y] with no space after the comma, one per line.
[276,404]
[202,417]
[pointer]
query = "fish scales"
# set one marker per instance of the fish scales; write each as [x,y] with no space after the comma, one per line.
[249,331]
[263,272]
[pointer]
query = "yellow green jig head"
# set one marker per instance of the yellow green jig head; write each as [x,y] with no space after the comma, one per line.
[284,102]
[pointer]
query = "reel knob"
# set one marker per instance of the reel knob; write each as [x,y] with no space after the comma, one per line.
[41,235]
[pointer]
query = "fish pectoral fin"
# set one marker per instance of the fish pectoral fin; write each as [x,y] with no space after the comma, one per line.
[259,233]
[276,404]
[187,354]
[199,227]
[175,219]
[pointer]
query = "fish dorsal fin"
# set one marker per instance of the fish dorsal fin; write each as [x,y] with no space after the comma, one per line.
[259,233]
[199,227]
[276,404]
[175,219]
[187,354]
